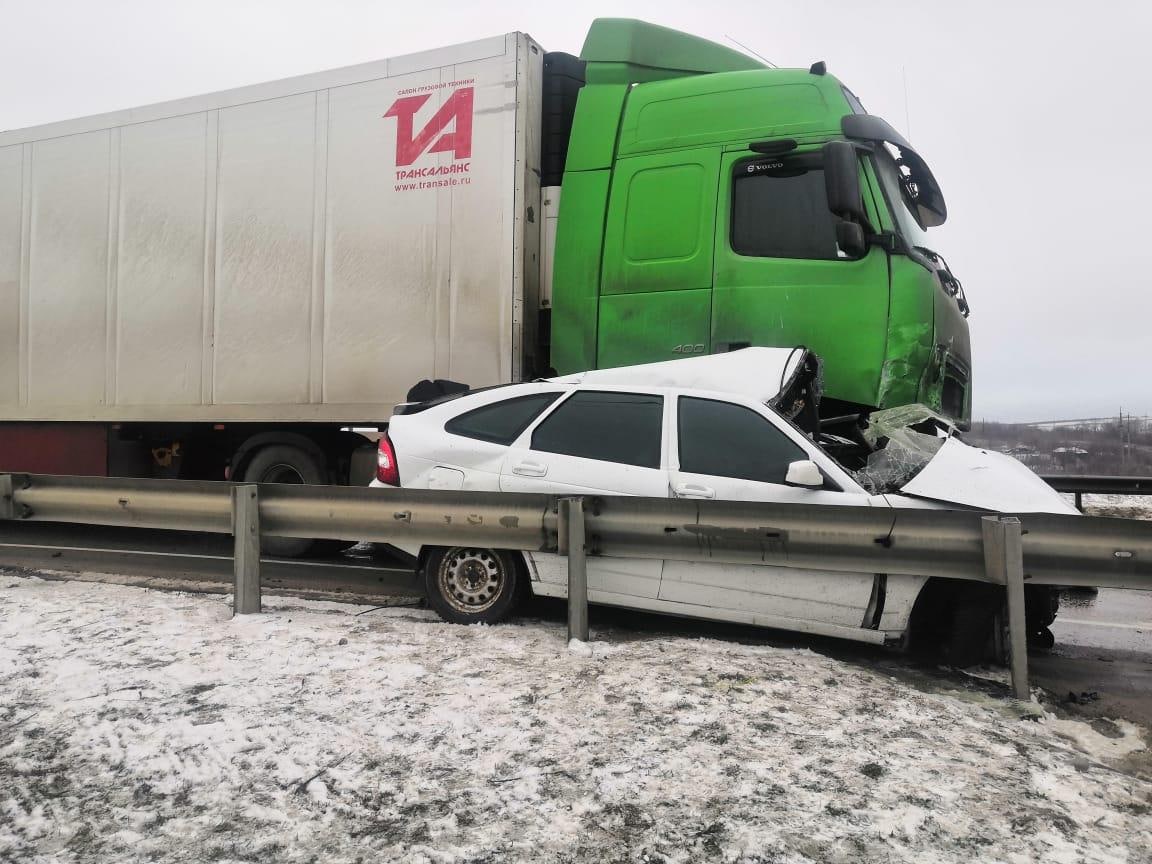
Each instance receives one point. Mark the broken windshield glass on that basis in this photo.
(901, 459)
(904, 440)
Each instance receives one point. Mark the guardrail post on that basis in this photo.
(246, 552)
(1004, 560)
(7, 502)
(573, 515)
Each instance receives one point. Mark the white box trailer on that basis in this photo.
(299, 251)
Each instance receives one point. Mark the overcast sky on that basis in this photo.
(1033, 116)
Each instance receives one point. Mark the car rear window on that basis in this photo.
(611, 427)
(501, 422)
(727, 440)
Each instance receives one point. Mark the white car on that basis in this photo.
(709, 427)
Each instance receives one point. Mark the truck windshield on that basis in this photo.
(895, 184)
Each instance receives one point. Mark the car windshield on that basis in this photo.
(895, 182)
(903, 442)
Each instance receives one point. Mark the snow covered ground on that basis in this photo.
(144, 725)
(1122, 506)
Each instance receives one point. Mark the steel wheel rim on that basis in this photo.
(470, 580)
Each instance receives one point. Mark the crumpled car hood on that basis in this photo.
(960, 474)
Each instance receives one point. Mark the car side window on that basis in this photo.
(727, 440)
(612, 427)
(501, 422)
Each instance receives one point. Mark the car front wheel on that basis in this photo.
(471, 586)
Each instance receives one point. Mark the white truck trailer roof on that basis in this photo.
(301, 250)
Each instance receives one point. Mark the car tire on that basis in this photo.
(283, 463)
(1043, 639)
(1041, 605)
(969, 633)
(467, 585)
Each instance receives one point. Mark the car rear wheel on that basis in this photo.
(471, 586)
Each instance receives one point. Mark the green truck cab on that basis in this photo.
(710, 202)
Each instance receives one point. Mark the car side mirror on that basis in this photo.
(842, 181)
(850, 239)
(805, 474)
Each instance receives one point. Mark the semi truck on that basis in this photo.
(227, 286)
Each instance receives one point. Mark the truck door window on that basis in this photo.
(726, 440)
(612, 427)
(780, 210)
(501, 422)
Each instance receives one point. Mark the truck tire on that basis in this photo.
(471, 586)
(282, 463)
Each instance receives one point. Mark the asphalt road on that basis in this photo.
(1102, 657)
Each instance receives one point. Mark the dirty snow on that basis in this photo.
(1122, 506)
(144, 725)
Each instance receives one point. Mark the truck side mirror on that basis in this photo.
(850, 239)
(842, 181)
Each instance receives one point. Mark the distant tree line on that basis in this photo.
(1122, 445)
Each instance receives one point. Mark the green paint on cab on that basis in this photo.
(694, 218)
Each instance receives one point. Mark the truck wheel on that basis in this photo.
(471, 586)
(282, 463)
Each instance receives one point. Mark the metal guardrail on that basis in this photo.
(1058, 549)
(1097, 484)
(959, 544)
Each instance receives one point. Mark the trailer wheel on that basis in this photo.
(471, 586)
(282, 463)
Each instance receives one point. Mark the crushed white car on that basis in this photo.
(739, 426)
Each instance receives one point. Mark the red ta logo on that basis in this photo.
(410, 145)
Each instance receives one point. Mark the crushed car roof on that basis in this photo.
(759, 373)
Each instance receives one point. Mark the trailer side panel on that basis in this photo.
(304, 250)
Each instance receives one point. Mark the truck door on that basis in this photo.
(656, 283)
(780, 279)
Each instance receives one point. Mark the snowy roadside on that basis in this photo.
(1120, 506)
(142, 725)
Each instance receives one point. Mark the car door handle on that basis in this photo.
(694, 490)
(530, 469)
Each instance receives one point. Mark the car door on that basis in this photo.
(729, 451)
(596, 442)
